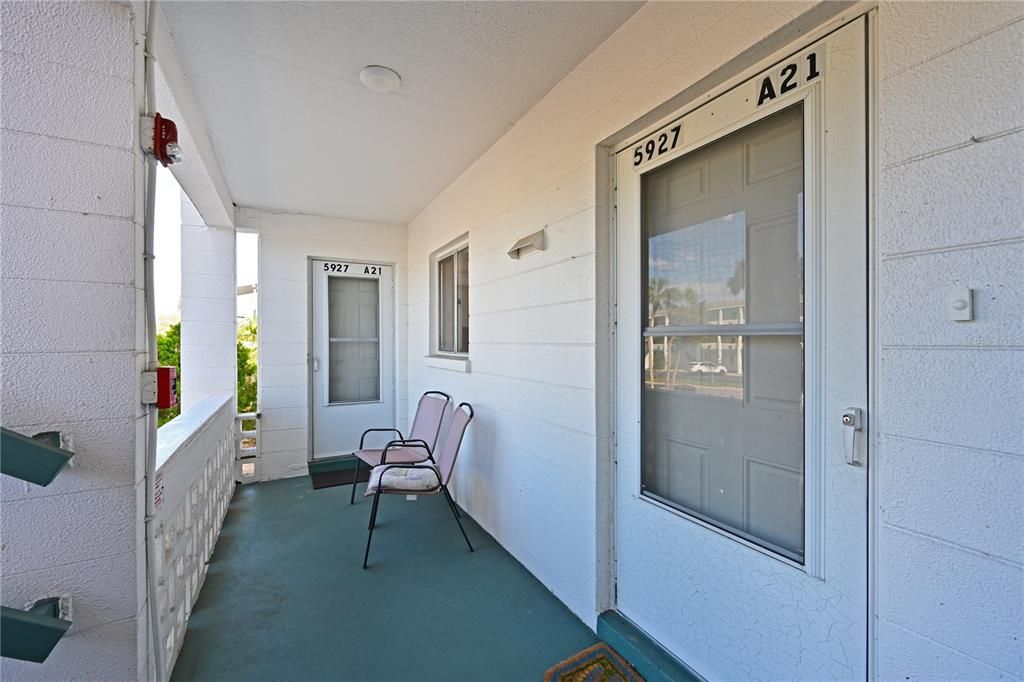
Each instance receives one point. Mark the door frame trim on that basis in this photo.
(808, 28)
(872, 438)
(310, 388)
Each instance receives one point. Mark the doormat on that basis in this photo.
(598, 663)
(333, 477)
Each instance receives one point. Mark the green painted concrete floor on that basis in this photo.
(286, 597)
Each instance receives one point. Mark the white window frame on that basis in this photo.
(444, 358)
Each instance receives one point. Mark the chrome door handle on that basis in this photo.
(316, 363)
(853, 421)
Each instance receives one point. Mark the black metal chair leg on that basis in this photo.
(455, 513)
(449, 496)
(373, 512)
(373, 522)
(355, 480)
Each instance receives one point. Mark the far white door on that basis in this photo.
(353, 353)
(741, 374)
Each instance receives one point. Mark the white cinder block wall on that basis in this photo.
(208, 318)
(72, 324)
(950, 461)
(285, 241)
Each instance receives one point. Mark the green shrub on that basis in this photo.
(247, 365)
(168, 344)
(168, 352)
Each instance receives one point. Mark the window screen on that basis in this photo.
(453, 302)
(723, 344)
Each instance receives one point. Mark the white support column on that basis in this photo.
(208, 325)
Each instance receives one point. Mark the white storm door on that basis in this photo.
(353, 353)
(740, 344)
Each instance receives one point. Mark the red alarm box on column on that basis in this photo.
(166, 387)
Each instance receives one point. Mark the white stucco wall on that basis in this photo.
(950, 459)
(948, 465)
(528, 471)
(71, 326)
(286, 240)
(208, 323)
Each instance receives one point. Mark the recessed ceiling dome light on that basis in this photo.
(380, 78)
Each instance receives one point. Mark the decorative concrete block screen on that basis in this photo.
(194, 484)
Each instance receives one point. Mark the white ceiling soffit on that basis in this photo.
(199, 173)
(295, 130)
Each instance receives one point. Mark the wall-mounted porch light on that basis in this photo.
(527, 245)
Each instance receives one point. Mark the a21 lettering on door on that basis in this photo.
(788, 78)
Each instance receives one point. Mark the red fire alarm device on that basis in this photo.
(160, 136)
(166, 387)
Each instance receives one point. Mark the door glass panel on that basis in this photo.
(353, 315)
(723, 433)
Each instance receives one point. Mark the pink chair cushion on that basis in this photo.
(395, 455)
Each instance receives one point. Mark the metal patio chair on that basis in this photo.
(426, 427)
(428, 477)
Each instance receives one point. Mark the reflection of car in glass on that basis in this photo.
(707, 368)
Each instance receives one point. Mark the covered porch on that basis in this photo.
(732, 288)
(286, 596)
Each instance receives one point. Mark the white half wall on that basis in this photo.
(286, 241)
(208, 318)
(72, 327)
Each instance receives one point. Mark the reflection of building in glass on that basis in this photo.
(722, 350)
(697, 277)
(726, 350)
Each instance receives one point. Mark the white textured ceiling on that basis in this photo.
(294, 129)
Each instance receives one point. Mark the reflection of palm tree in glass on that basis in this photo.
(738, 282)
(670, 305)
(661, 298)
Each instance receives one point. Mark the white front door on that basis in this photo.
(741, 343)
(353, 353)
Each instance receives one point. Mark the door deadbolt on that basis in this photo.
(853, 420)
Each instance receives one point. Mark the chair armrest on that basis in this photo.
(396, 444)
(363, 437)
(409, 442)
